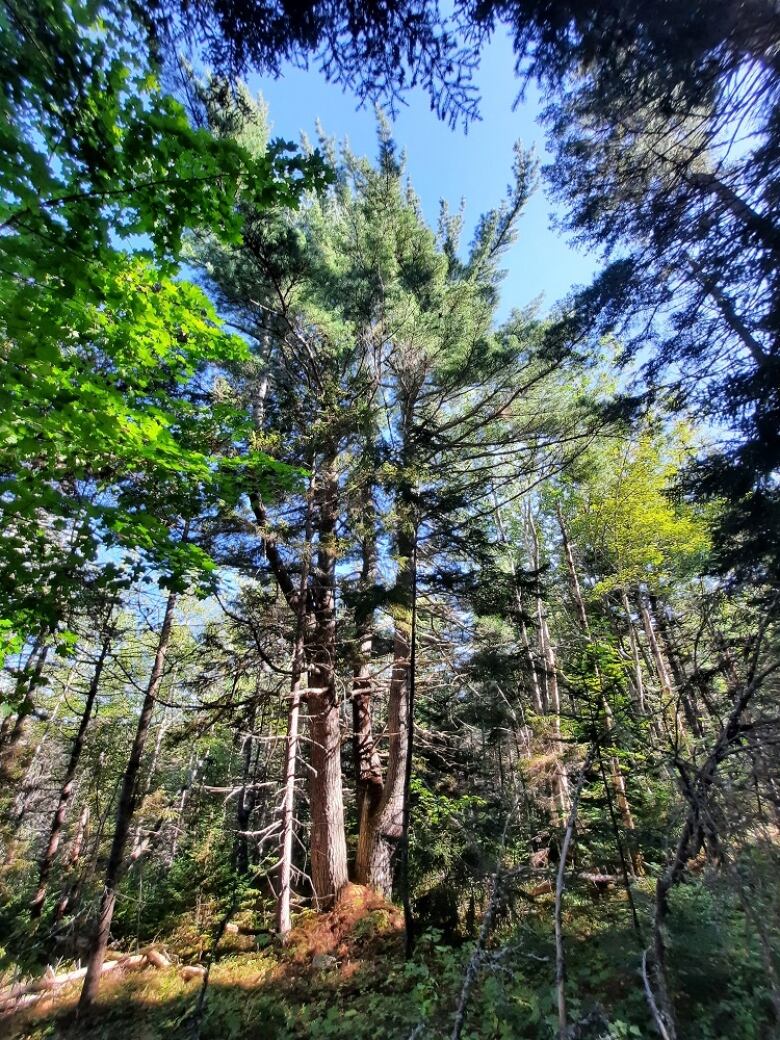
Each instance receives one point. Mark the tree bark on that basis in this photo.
(367, 764)
(690, 708)
(298, 681)
(618, 780)
(245, 800)
(560, 956)
(13, 736)
(74, 855)
(328, 836)
(388, 823)
(124, 816)
(66, 791)
(552, 698)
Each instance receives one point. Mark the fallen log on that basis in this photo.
(21, 994)
(193, 971)
(601, 882)
(157, 958)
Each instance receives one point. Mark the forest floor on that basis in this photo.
(341, 968)
(343, 976)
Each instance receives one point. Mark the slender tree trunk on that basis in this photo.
(618, 780)
(283, 918)
(328, 836)
(368, 767)
(560, 955)
(639, 684)
(124, 816)
(297, 683)
(27, 787)
(141, 840)
(409, 933)
(552, 699)
(690, 708)
(668, 698)
(70, 887)
(528, 651)
(194, 767)
(388, 823)
(66, 791)
(367, 764)
(13, 736)
(245, 800)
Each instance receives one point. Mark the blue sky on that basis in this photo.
(450, 164)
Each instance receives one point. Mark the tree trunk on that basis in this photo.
(13, 736)
(367, 764)
(328, 836)
(283, 918)
(298, 681)
(70, 888)
(245, 800)
(560, 958)
(530, 656)
(66, 791)
(618, 780)
(552, 699)
(639, 684)
(194, 767)
(667, 689)
(690, 708)
(388, 823)
(28, 785)
(124, 816)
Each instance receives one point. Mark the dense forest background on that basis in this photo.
(374, 664)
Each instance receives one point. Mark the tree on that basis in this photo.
(99, 343)
(664, 124)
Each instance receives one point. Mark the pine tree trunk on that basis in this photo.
(245, 800)
(367, 764)
(124, 816)
(560, 956)
(690, 708)
(283, 918)
(70, 888)
(13, 735)
(552, 695)
(66, 791)
(298, 681)
(618, 780)
(388, 822)
(636, 663)
(328, 836)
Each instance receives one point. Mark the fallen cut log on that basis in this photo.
(601, 882)
(21, 994)
(157, 958)
(193, 971)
